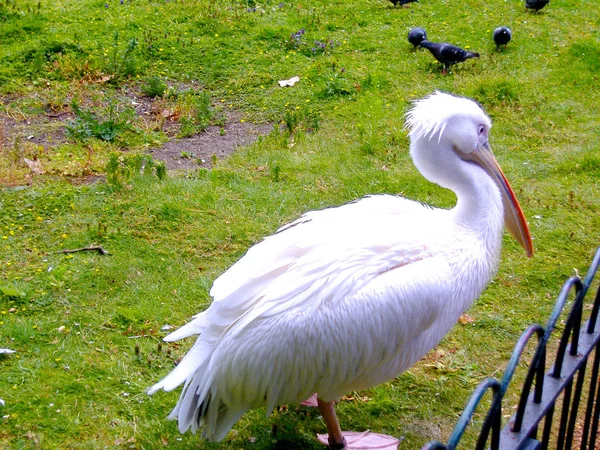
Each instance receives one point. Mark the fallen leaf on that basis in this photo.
(35, 166)
(466, 318)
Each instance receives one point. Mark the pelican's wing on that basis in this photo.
(324, 256)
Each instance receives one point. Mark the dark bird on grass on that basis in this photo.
(502, 36)
(402, 2)
(536, 5)
(416, 36)
(447, 54)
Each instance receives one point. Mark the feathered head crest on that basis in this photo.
(429, 116)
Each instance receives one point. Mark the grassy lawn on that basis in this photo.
(87, 327)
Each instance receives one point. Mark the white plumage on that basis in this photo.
(348, 297)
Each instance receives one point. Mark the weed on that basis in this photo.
(203, 110)
(305, 119)
(319, 47)
(122, 64)
(160, 170)
(188, 155)
(89, 125)
(336, 85)
(197, 113)
(154, 87)
(367, 82)
(122, 169)
(275, 173)
(187, 127)
(290, 119)
(298, 42)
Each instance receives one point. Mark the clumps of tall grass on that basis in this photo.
(123, 169)
(198, 113)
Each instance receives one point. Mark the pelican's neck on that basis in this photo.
(479, 202)
(479, 210)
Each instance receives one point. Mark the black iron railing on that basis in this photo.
(577, 426)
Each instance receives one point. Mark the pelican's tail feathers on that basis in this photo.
(218, 420)
(194, 402)
(200, 407)
(196, 360)
(195, 326)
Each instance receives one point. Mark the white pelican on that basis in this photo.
(346, 298)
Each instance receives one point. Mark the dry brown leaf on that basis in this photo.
(466, 318)
(35, 166)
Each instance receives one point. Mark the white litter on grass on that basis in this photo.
(166, 327)
(2, 402)
(292, 81)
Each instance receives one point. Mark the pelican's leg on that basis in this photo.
(336, 438)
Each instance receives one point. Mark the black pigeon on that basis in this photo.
(447, 54)
(416, 36)
(402, 2)
(536, 5)
(502, 36)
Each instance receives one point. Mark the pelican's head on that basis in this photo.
(444, 115)
(447, 133)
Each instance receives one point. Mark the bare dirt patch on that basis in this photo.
(47, 130)
(39, 135)
(216, 142)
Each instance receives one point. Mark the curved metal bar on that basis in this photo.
(518, 351)
(536, 367)
(573, 323)
(465, 417)
(570, 323)
(589, 276)
(594, 313)
(590, 403)
(560, 303)
(587, 282)
(575, 320)
(434, 445)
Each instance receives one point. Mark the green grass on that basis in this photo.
(87, 327)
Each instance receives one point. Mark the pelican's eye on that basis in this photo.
(481, 130)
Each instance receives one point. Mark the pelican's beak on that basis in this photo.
(514, 219)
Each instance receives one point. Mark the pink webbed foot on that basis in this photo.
(311, 401)
(364, 441)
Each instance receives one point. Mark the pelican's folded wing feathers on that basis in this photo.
(285, 270)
